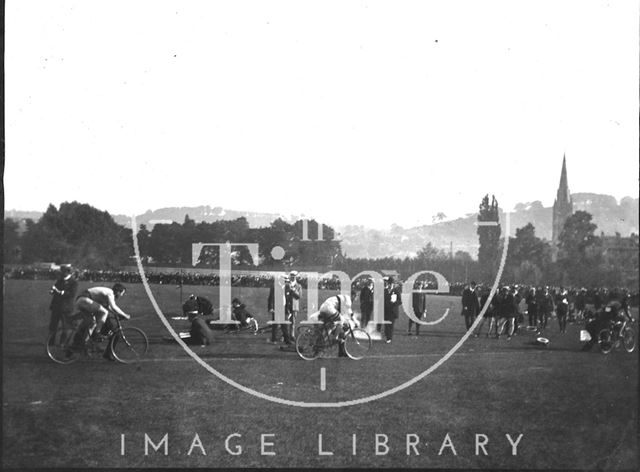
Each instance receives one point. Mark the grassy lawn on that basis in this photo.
(574, 410)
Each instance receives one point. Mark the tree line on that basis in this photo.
(79, 234)
(89, 238)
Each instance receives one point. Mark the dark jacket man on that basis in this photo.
(63, 297)
(470, 304)
(366, 303)
(392, 302)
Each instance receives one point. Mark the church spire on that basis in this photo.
(563, 188)
(562, 206)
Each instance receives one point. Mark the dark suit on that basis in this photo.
(274, 327)
(419, 303)
(391, 308)
(470, 306)
(196, 309)
(532, 308)
(62, 303)
(366, 305)
(291, 305)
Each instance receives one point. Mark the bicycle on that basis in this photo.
(126, 344)
(312, 341)
(614, 335)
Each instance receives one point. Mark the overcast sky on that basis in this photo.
(367, 112)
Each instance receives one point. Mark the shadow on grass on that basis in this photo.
(534, 346)
(244, 355)
(438, 334)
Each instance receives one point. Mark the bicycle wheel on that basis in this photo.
(59, 346)
(309, 342)
(129, 344)
(604, 341)
(628, 339)
(357, 343)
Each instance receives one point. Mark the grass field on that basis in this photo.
(574, 410)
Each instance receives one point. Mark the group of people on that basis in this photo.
(200, 313)
(176, 278)
(506, 310)
(503, 311)
(392, 304)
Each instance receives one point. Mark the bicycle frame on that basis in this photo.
(313, 341)
(125, 344)
(615, 335)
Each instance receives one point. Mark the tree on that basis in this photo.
(431, 253)
(463, 256)
(79, 234)
(489, 237)
(527, 254)
(166, 244)
(438, 217)
(578, 255)
(527, 273)
(43, 241)
(11, 241)
(144, 236)
(577, 234)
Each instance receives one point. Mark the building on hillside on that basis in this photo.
(562, 207)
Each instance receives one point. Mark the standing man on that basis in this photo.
(470, 305)
(562, 308)
(541, 303)
(506, 311)
(580, 303)
(545, 308)
(419, 303)
(292, 291)
(532, 307)
(63, 298)
(489, 313)
(366, 303)
(274, 327)
(392, 302)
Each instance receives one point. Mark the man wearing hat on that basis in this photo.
(63, 297)
(506, 311)
(470, 305)
(196, 308)
(392, 302)
(366, 303)
(292, 301)
(274, 327)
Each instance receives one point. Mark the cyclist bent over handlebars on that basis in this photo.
(95, 304)
(612, 312)
(335, 312)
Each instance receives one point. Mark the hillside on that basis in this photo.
(458, 234)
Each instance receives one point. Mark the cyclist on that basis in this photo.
(96, 302)
(94, 305)
(335, 312)
(612, 312)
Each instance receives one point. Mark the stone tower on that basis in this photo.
(562, 206)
